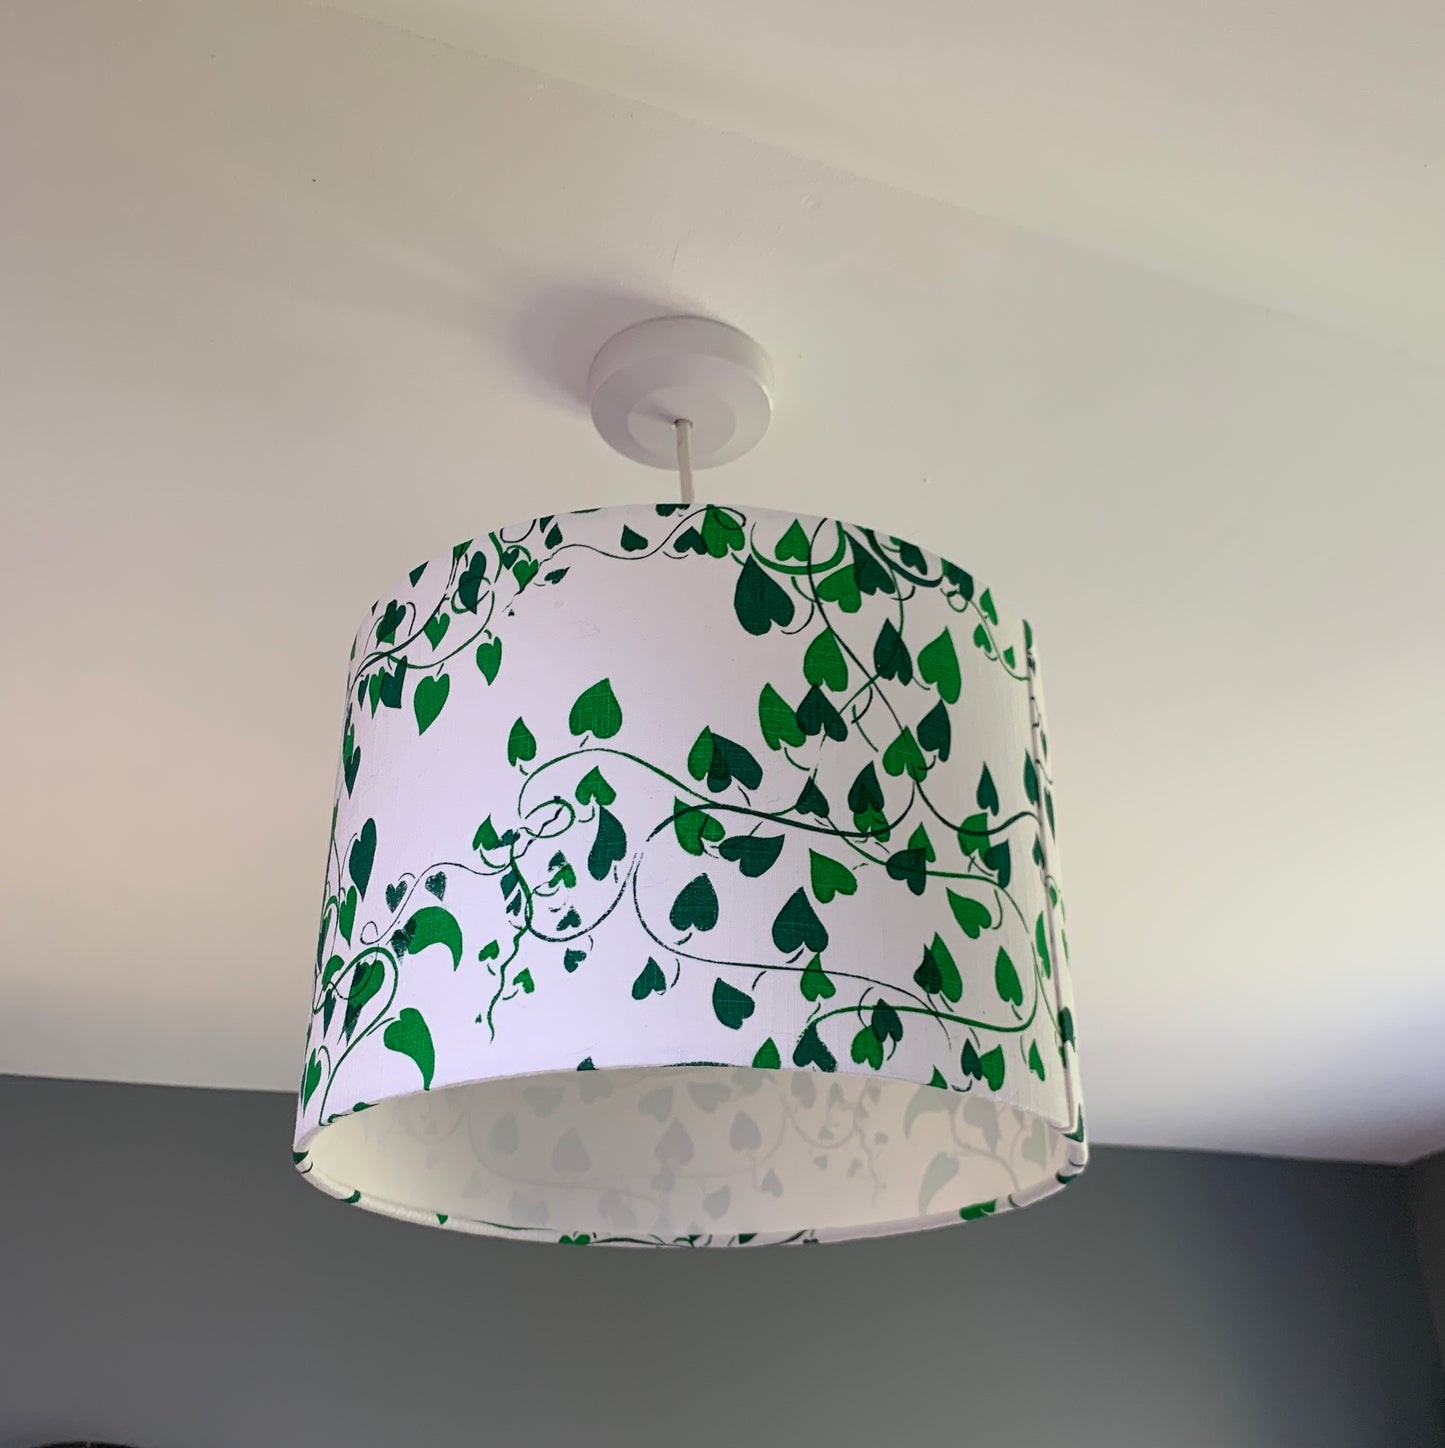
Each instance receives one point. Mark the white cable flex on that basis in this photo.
(684, 458)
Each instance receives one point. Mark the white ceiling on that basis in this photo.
(1291, 153)
(289, 299)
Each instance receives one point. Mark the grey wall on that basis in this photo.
(1425, 1190)
(166, 1280)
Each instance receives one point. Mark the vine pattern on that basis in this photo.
(890, 698)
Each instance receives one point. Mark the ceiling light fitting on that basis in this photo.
(692, 877)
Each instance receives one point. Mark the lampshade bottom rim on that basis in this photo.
(691, 1156)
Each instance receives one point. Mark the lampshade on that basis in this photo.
(692, 881)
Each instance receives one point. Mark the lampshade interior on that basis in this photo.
(678, 1152)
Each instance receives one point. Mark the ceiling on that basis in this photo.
(1144, 325)
(1292, 154)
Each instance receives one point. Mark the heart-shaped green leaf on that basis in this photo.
(312, 1079)
(938, 665)
(754, 855)
(731, 761)
(904, 755)
(998, 859)
(987, 792)
(699, 757)
(730, 1005)
(334, 967)
(828, 878)
(873, 823)
(409, 1035)
(649, 978)
(977, 1210)
(430, 696)
(486, 837)
(794, 544)
(1006, 979)
(395, 894)
(609, 847)
(759, 601)
(695, 907)
(373, 692)
(521, 746)
(814, 981)
(1066, 1026)
(797, 926)
(391, 685)
(985, 606)
(490, 951)
(416, 573)
(891, 659)
(489, 658)
(935, 732)
(694, 824)
(720, 761)
(959, 579)
(867, 1048)
(721, 532)
(689, 541)
(469, 585)
(436, 627)
(841, 587)
(910, 555)
(1041, 944)
(554, 535)
(812, 801)
(810, 1051)
(952, 982)
(432, 925)
(928, 977)
(992, 1064)
(816, 714)
(981, 640)
(350, 765)
(366, 980)
(865, 793)
(910, 866)
(632, 540)
(1036, 1062)
(778, 721)
(937, 974)
(872, 576)
(594, 786)
(970, 1062)
(823, 663)
(766, 1057)
(596, 711)
(1031, 780)
(363, 854)
(571, 959)
(886, 1023)
(346, 914)
(390, 620)
(973, 916)
(919, 840)
(973, 835)
(524, 571)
